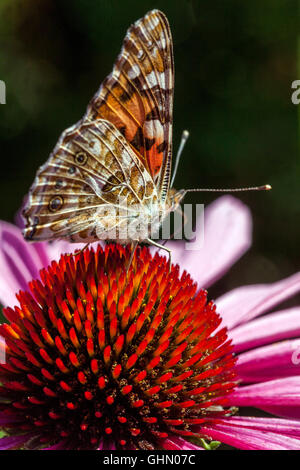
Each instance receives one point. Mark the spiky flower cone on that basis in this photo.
(97, 356)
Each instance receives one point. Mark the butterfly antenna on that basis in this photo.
(184, 138)
(265, 187)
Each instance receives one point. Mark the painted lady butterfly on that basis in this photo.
(109, 174)
(118, 156)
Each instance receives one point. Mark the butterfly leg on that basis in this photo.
(80, 251)
(134, 244)
(162, 247)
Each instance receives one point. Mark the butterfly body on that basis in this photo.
(108, 176)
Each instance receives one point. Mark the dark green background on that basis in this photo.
(235, 62)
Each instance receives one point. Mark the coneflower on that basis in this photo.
(97, 356)
(48, 401)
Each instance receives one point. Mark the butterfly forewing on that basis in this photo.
(138, 95)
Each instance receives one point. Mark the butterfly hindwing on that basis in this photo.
(91, 171)
(137, 97)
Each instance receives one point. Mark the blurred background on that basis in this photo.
(235, 63)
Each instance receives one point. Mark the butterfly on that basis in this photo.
(108, 177)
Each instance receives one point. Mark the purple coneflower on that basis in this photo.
(96, 359)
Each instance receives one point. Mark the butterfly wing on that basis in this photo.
(119, 153)
(92, 171)
(137, 97)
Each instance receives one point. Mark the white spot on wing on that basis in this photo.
(140, 54)
(134, 72)
(154, 22)
(96, 146)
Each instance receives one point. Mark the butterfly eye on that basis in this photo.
(56, 203)
(81, 158)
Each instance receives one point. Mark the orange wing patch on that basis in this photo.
(137, 97)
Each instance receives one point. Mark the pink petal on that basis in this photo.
(11, 442)
(281, 392)
(227, 236)
(269, 329)
(55, 249)
(286, 427)
(250, 439)
(177, 443)
(61, 445)
(108, 446)
(19, 262)
(244, 303)
(100, 446)
(283, 411)
(269, 362)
